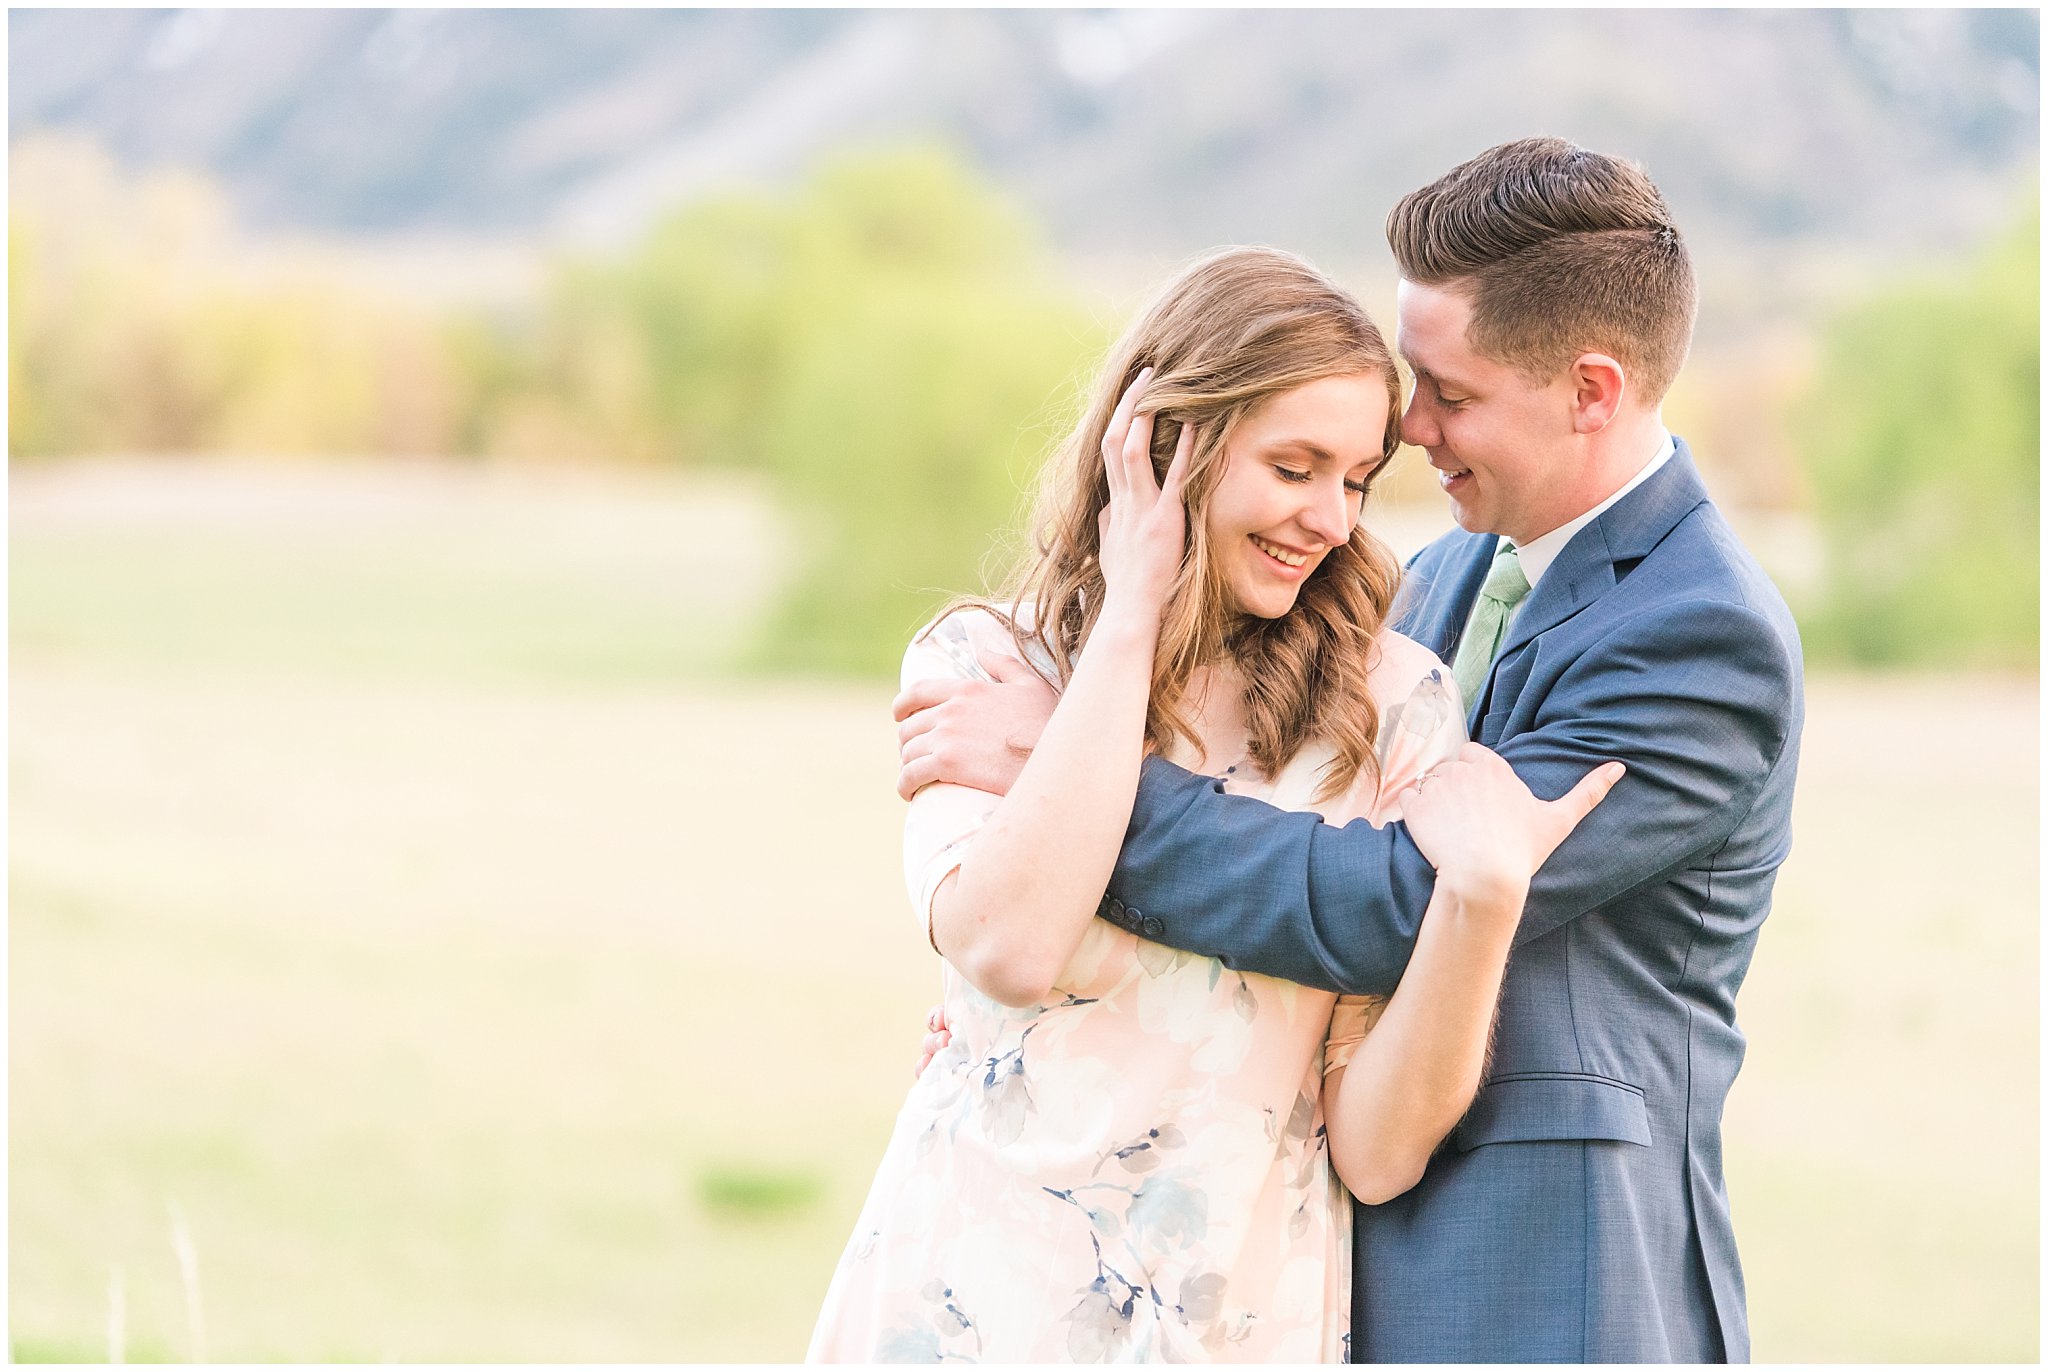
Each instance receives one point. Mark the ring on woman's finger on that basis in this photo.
(1424, 780)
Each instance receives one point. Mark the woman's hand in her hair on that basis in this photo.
(1144, 525)
(1485, 832)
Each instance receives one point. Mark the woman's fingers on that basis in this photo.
(1113, 437)
(1173, 489)
(1127, 452)
(1137, 458)
(1478, 823)
(1127, 405)
(1563, 814)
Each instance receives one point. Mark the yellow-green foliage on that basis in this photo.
(887, 341)
(140, 321)
(1924, 446)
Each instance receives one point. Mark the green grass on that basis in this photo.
(430, 572)
(506, 988)
(744, 1192)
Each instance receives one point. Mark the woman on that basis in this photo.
(1127, 1152)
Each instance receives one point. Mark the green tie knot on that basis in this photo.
(1505, 581)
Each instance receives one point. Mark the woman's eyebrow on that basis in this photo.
(1320, 453)
(1313, 449)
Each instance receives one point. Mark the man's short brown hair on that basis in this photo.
(1563, 252)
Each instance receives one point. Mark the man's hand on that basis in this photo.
(971, 733)
(937, 1037)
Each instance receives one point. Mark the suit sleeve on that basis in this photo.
(1694, 698)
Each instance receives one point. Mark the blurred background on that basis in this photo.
(474, 473)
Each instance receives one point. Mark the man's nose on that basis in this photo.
(1418, 430)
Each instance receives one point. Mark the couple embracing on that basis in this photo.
(1340, 958)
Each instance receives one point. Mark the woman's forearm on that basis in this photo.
(1415, 1074)
(1015, 911)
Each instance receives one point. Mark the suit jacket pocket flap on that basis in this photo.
(1553, 1106)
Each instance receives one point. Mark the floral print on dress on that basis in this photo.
(1135, 1169)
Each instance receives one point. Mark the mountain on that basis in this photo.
(1127, 132)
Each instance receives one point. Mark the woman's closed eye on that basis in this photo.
(1295, 476)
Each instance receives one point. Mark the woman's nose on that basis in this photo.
(1328, 515)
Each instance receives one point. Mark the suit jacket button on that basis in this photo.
(1116, 908)
(1154, 926)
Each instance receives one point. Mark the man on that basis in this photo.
(1593, 605)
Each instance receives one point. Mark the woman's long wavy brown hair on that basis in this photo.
(1231, 332)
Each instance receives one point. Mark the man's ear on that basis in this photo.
(1598, 387)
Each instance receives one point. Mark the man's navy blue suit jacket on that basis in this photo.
(1578, 1212)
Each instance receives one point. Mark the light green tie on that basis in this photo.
(1505, 586)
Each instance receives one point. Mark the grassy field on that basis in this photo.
(409, 919)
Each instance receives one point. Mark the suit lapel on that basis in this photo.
(1583, 572)
(1445, 601)
(1626, 533)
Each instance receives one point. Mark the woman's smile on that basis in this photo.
(1291, 561)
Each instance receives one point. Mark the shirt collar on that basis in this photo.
(1538, 553)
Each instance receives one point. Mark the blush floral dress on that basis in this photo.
(1134, 1169)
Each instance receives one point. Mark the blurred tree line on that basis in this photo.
(1923, 444)
(889, 343)
(892, 345)
(134, 325)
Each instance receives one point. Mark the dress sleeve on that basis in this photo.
(1422, 731)
(1352, 1020)
(944, 818)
